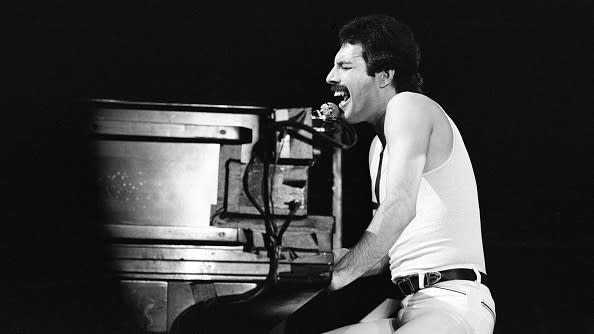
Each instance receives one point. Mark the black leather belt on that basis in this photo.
(410, 284)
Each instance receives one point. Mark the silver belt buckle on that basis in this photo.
(431, 278)
(406, 286)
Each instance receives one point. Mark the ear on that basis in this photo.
(385, 77)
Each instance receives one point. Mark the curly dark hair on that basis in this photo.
(387, 44)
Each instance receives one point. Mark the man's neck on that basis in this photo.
(378, 122)
(379, 128)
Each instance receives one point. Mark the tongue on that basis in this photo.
(343, 103)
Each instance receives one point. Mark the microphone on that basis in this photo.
(324, 118)
(328, 112)
(331, 111)
(328, 120)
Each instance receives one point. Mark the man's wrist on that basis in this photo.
(335, 283)
(339, 280)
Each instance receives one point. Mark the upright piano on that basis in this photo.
(183, 238)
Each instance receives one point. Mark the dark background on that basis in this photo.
(515, 76)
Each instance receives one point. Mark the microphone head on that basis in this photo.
(330, 110)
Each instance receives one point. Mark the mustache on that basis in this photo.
(338, 88)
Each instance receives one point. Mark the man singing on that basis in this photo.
(426, 224)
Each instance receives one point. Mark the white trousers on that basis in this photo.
(447, 307)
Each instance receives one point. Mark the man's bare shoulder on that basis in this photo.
(411, 102)
(411, 110)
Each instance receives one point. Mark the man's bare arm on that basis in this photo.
(377, 269)
(407, 129)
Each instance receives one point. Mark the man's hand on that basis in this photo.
(337, 282)
(339, 253)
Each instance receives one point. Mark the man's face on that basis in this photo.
(350, 80)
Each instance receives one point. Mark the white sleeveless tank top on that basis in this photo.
(446, 232)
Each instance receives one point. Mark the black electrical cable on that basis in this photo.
(277, 152)
(271, 277)
(273, 240)
(293, 207)
(301, 126)
(271, 231)
(299, 136)
(246, 186)
(351, 133)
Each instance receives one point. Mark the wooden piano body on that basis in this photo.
(181, 233)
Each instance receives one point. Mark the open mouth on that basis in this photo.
(341, 92)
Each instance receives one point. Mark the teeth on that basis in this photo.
(339, 93)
